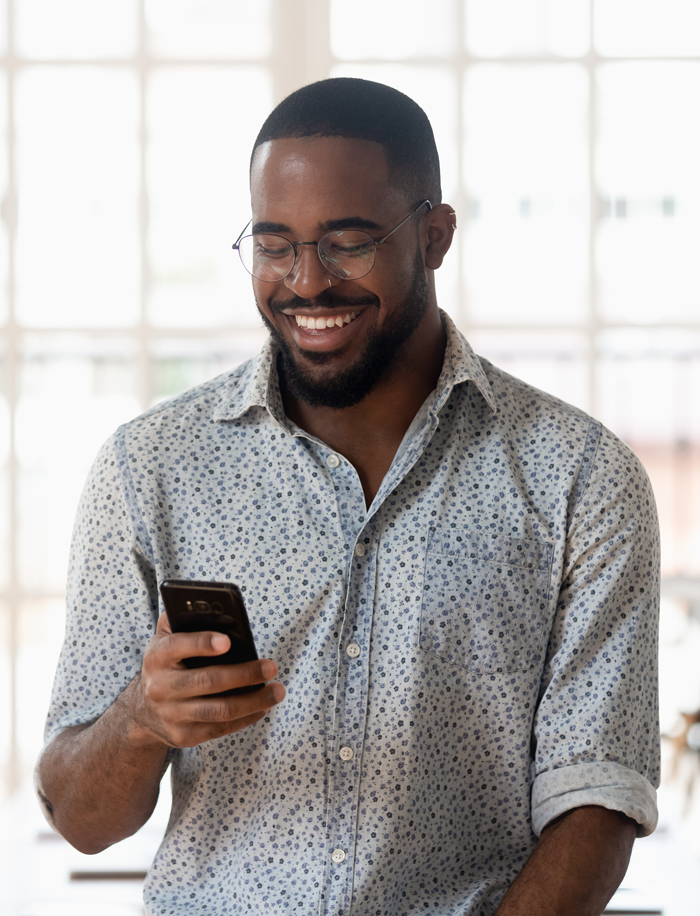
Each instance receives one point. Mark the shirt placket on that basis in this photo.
(348, 725)
(350, 713)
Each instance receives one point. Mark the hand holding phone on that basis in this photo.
(194, 607)
(182, 705)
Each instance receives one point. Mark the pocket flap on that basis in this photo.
(528, 553)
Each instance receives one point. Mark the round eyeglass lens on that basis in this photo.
(266, 257)
(348, 254)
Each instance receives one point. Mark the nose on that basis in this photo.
(309, 278)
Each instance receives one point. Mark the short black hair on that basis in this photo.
(364, 110)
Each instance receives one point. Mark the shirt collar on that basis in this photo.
(257, 385)
(461, 364)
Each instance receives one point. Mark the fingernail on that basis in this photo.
(278, 692)
(219, 642)
(269, 669)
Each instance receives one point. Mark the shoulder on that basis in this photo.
(532, 418)
(523, 404)
(189, 414)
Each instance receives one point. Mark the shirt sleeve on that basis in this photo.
(596, 728)
(111, 600)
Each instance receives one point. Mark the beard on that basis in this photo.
(349, 386)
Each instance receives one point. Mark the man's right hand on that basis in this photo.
(99, 782)
(171, 704)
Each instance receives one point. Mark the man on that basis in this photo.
(452, 575)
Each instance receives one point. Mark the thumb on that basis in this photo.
(163, 628)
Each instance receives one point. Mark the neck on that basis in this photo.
(368, 434)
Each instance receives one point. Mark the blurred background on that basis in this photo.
(569, 134)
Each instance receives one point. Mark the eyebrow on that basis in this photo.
(331, 225)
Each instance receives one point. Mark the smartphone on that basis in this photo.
(195, 606)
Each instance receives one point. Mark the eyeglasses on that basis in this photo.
(345, 253)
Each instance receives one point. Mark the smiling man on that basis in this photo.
(453, 575)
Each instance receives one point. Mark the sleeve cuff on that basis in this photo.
(607, 784)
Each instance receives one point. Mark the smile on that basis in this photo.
(325, 321)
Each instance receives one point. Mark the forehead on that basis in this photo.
(327, 176)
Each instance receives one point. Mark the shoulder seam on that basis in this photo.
(589, 452)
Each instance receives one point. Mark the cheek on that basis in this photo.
(396, 277)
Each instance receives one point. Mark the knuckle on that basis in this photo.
(244, 675)
(201, 680)
(178, 738)
(211, 712)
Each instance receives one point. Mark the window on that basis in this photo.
(569, 144)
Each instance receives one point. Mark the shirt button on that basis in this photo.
(353, 650)
(360, 550)
(332, 461)
(338, 856)
(346, 753)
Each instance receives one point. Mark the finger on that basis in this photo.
(231, 709)
(174, 647)
(214, 730)
(163, 626)
(197, 682)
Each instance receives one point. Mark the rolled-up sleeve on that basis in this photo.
(596, 727)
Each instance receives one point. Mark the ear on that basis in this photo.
(439, 226)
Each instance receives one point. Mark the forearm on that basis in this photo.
(576, 867)
(99, 783)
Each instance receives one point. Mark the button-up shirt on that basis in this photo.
(466, 659)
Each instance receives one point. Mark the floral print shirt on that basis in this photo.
(466, 659)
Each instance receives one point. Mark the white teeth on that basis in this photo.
(321, 323)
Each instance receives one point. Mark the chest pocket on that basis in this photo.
(484, 601)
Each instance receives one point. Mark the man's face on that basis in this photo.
(302, 189)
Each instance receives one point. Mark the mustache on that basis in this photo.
(328, 300)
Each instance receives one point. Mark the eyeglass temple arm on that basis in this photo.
(414, 210)
(238, 240)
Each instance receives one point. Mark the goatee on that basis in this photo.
(348, 387)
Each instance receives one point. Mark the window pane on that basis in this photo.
(3, 26)
(525, 167)
(649, 393)
(648, 150)
(5, 697)
(553, 361)
(4, 482)
(77, 165)
(497, 28)
(647, 27)
(73, 400)
(209, 28)
(649, 387)
(201, 128)
(392, 29)
(79, 29)
(41, 626)
(6, 216)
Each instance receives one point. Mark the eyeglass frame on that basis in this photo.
(295, 245)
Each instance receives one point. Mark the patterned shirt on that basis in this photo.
(465, 660)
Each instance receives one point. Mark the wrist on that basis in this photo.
(135, 723)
